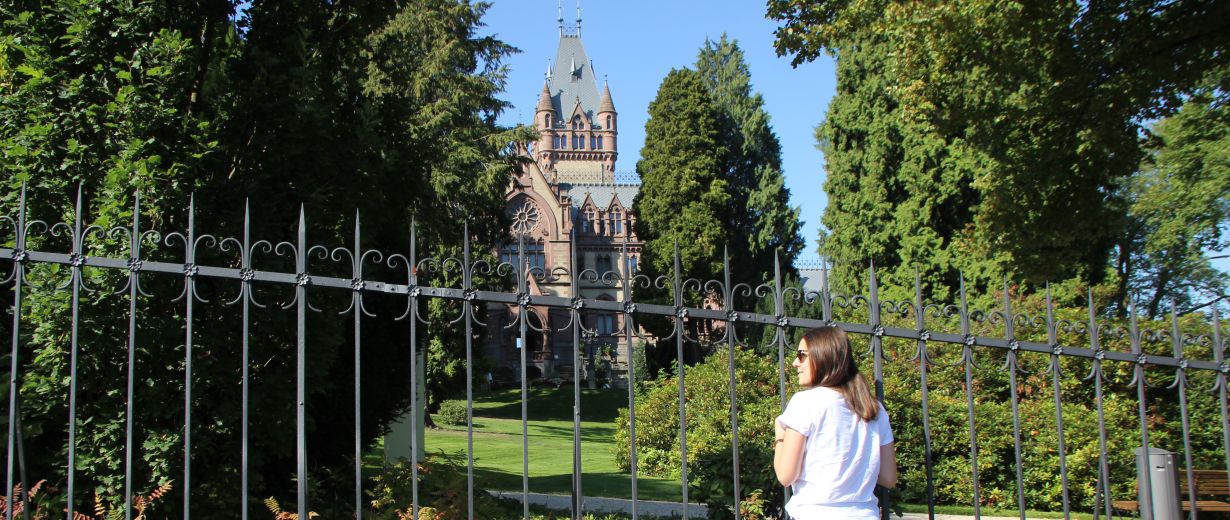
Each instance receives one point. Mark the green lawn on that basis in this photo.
(497, 444)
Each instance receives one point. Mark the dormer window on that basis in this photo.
(617, 221)
(576, 123)
(587, 219)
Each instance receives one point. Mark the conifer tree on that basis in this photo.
(684, 196)
(385, 107)
(767, 224)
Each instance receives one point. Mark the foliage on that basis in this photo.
(707, 405)
(442, 486)
(452, 411)
(278, 514)
(763, 222)
(684, 197)
(990, 138)
(366, 105)
(1179, 207)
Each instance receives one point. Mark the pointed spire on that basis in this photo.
(544, 99)
(559, 16)
(606, 105)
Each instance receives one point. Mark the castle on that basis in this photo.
(566, 196)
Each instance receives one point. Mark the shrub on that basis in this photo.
(707, 405)
(453, 412)
(442, 491)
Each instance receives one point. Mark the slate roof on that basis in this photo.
(572, 78)
(601, 194)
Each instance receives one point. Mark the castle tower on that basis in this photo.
(579, 142)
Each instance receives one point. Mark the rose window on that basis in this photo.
(525, 218)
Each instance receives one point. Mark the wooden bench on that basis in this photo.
(1209, 483)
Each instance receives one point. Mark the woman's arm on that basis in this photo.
(787, 453)
(888, 466)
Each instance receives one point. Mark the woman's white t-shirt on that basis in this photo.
(841, 456)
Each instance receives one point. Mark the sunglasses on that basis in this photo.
(800, 355)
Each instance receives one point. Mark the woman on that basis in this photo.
(833, 443)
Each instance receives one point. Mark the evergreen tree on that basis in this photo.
(684, 196)
(991, 138)
(762, 209)
(388, 108)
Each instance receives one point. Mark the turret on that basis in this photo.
(606, 110)
(544, 120)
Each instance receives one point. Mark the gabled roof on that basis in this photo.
(572, 78)
(602, 194)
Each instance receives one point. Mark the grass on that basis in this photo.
(498, 449)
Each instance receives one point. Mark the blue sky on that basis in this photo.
(635, 43)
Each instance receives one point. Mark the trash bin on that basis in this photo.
(1163, 476)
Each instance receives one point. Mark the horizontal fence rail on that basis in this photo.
(885, 329)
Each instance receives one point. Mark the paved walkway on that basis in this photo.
(667, 509)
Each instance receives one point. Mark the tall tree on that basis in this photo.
(1180, 206)
(762, 203)
(999, 131)
(684, 196)
(388, 108)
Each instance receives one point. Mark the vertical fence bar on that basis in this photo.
(1102, 497)
(521, 331)
(1013, 346)
(779, 310)
(245, 287)
(414, 371)
(734, 402)
(1052, 337)
(75, 283)
(680, 314)
(920, 311)
(19, 275)
(301, 365)
(877, 355)
(1220, 356)
(466, 311)
(357, 302)
(189, 296)
(134, 255)
(967, 352)
(1138, 378)
(577, 326)
(1180, 380)
(629, 333)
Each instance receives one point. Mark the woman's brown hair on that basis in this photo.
(832, 365)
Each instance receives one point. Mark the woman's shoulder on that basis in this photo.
(818, 394)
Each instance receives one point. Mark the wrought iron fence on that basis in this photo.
(907, 322)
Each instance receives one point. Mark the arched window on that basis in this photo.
(599, 146)
(546, 120)
(576, 123)
(608, 122)
(582, 142)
